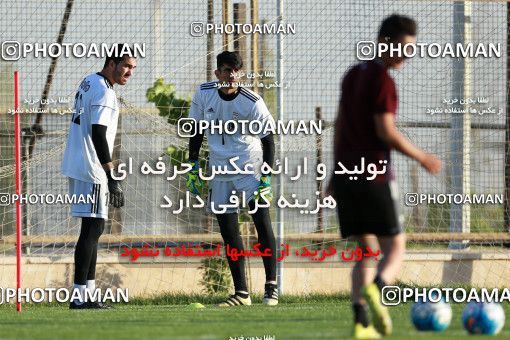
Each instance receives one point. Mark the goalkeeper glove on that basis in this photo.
(193, 182)
(115, 195)
(264, 190)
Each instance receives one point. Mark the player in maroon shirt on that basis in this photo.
(365, 132)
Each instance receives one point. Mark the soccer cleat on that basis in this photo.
(380, 314)
(236, 300)
(368, 332)
(98, 305)
(73, 305)
(270, 294)
(89, 305)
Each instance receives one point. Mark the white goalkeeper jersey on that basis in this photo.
(245, 105)
(95, 103)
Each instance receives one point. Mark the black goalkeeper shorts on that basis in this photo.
(367, 207)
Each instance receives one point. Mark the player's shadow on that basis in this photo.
(458, 271)
(106, 277)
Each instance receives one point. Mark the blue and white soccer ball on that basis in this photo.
(483, 318)
(431, 316)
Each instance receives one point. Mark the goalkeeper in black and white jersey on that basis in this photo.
(221, 102)
(88, 164)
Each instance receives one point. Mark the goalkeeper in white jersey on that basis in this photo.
(88, 164)
(221, 102)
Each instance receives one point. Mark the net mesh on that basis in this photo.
(314, 61)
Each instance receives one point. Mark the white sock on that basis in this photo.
(91, 287)
(271, 282)
(81, 289)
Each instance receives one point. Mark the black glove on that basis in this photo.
(116, 195)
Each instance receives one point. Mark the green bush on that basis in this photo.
(167, 101)
(215, 275)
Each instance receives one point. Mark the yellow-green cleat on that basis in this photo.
(380, 314)
(368, 332)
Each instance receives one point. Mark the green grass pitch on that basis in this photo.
(298, 318)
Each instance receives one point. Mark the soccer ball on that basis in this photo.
(483, 318)
(431, 316)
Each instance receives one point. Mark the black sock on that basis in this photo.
(92, 267)
(229, 228)
(266, 238)
(379, 282)
(360, 314)
(86, 248)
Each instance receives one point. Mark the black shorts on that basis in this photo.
(367, 207)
